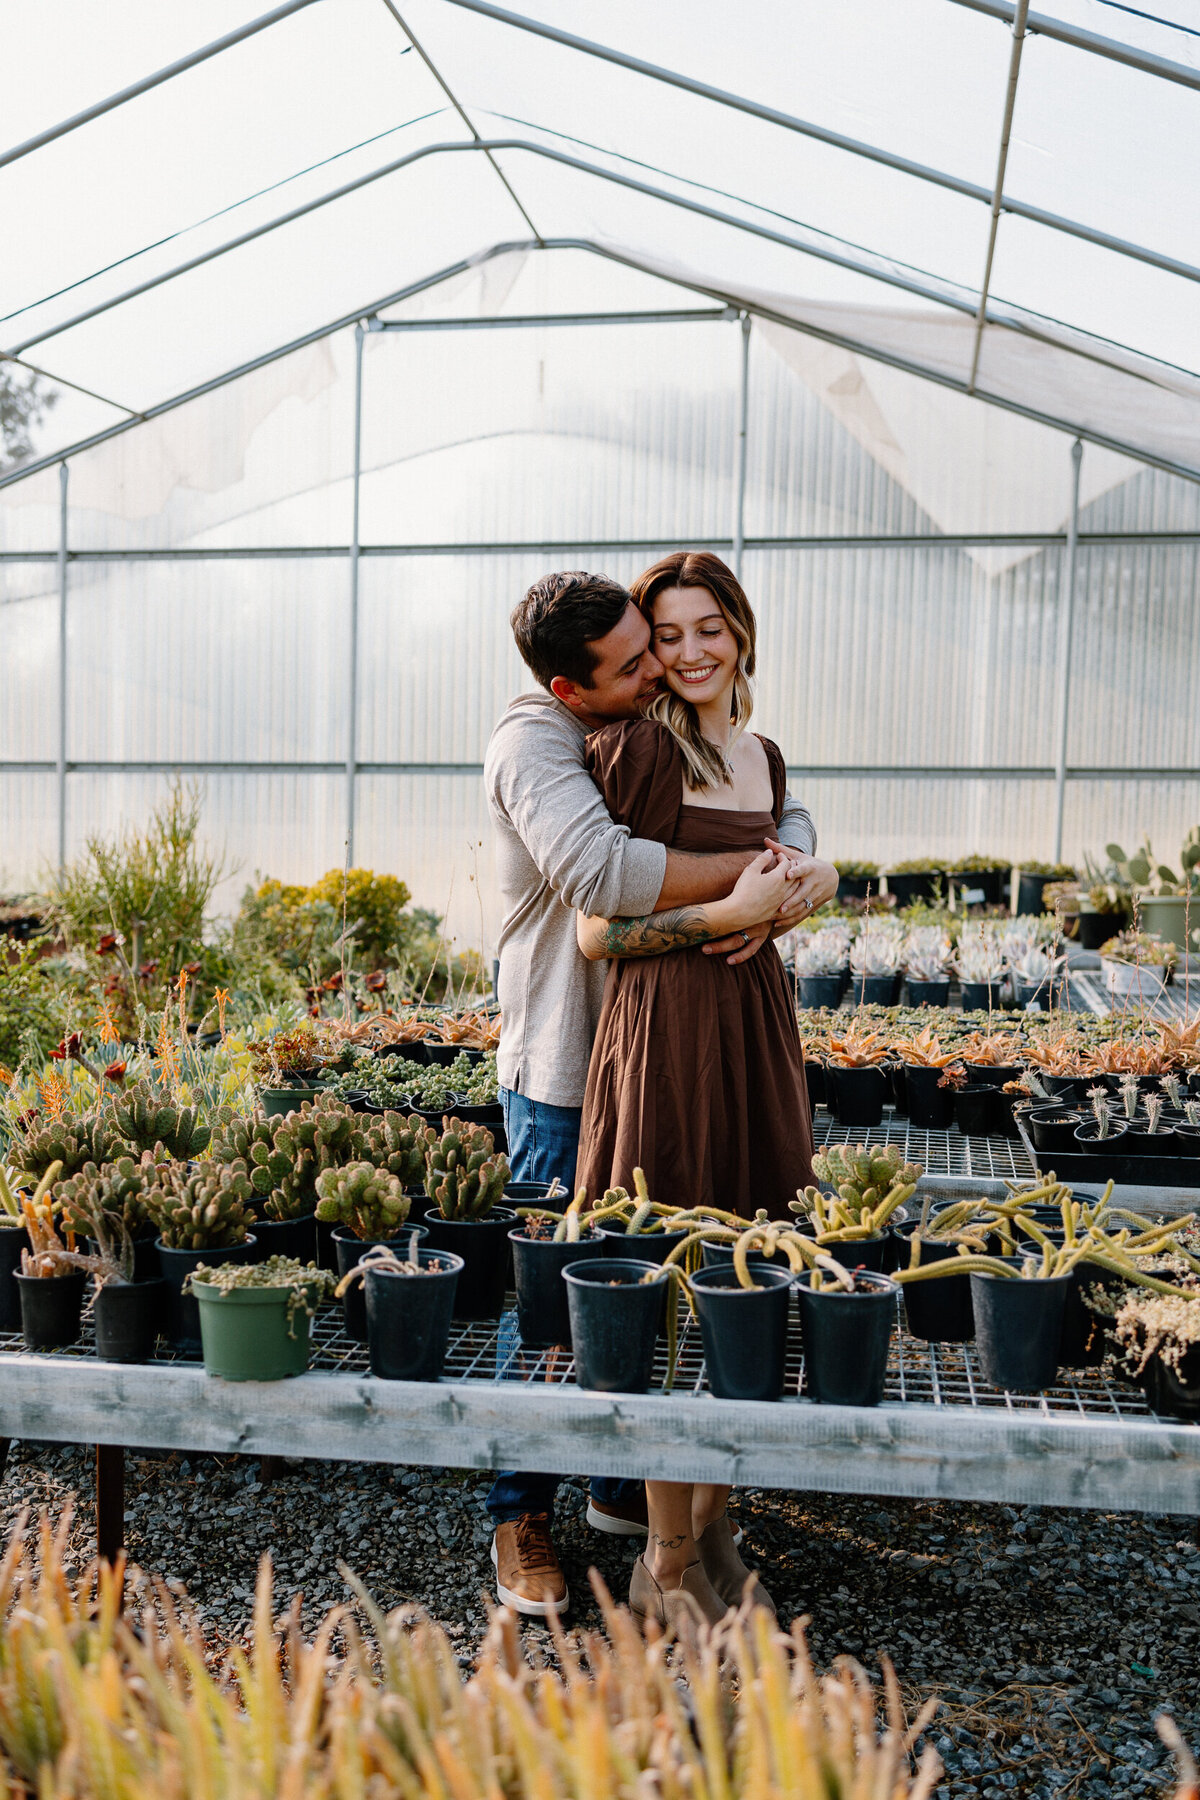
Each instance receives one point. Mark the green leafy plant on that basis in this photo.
(365, 1200)
(207, 1208)
(34, 1009)
(858, 871)
(463, 1174)
(304, 1283)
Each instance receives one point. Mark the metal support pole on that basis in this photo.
(352, 658)
(61, 764)
(1066, 625)
(110, 1501)
(739, 525)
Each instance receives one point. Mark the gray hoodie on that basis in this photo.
(559, 852)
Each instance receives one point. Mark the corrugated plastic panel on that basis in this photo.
(28, 672)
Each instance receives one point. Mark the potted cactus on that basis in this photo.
(198, 1212)
(855, 1081)
(543, 1243)
(1158, 1338)
(927, 954)
(365, 1206)
(106, 1207)
(255, 1318)
(409, 1308)
(847, 1322)
(876, 956)
(13, 1239)
(1168, 904)
(1102, 1131)
(1136, 966)
(819, 964)
(930, 1097)
(981, 965)
(51, 1278)
(464, 1180)
(870, 1185)
(142, 1118)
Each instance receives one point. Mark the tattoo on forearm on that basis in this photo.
(672, 1543)
(676, 929)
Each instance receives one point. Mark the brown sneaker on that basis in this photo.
(528, 1575)
(620, 1518)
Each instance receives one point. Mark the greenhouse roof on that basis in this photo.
(990, 198)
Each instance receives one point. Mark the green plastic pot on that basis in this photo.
(245, 1333)
(1167, 915)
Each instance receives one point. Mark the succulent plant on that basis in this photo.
(144, 1118)
(207, 1208)
(365, 1200)
(865, 1175)
(462, 1172)
(72, 1142)
(876, 953)
(399, 1145)
(112, 1195)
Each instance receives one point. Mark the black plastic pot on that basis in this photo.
(939, 1310)
(743, 1330)
(990, 883)
(490, 1115)
(1046, 994)
(1003, 1113)
(1174, 1392)
(875, 990)
(846, 1339)
(1069, 1090)
(1089, 1142)
(614, 1314)
(442, 1055)
(528, 1193)
(1096, 928)
(1053, 1128)
(543, 1316)
(907, 888)
(51, 1306)
(483, 1246)
(981, 996)
(349, 1251)
(416, 1052)
(1029, 895)
(1140, 1142)
(929, 993)
(287, 1237)
(408, 1317)
(820, 990)
(275, 1102)
(326, 1249)
(861, 1253)
(893, 1249)
(859, 1094)
(1084, 1338)
(975, 1110)
(13, 1239)
(930, 1107)
(145, 1254)
(181, 1316)
(720, 1256)
(1187, 1140)
(894, 1072)
(857, 887)
(647, 1246)
(1018, 1325)
(127, 1317)
(814, 1076)
(991, 1074)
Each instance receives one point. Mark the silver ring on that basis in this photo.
(745, 939)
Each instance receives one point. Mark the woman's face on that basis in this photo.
(694, 644)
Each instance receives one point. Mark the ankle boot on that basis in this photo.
(725, 1569)
(692, 1602)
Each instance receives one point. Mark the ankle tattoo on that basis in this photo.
(671, 1543)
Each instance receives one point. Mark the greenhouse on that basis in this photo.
(502, 1166)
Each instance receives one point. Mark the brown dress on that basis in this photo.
(697, 1075)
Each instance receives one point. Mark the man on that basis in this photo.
(559, 852)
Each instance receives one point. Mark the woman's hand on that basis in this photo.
(817, 882)
(763, 887)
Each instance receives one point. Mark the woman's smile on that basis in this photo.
(694, 677)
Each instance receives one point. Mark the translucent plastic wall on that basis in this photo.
(912, 686)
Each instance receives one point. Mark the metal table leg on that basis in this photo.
(110, 1501)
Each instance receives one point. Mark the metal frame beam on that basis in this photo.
(152, 81)
(684, 315)
(352, 633)
(739, 521)
(1043, 25)
(874, 353)
(1066, 627)
(809, 771)
(64, 475)
(770, 115)
(1010, 101)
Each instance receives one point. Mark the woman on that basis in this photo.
(697, 1075)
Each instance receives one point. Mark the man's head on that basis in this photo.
(585, 640)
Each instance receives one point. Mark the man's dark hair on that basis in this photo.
(561, 617)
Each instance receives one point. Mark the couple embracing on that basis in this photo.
(648, 851)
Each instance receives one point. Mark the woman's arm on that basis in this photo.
(760, 891)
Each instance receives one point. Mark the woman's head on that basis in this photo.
(704, 636)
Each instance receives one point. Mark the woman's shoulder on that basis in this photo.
(635, 764)
(629, 735)
(777, 769)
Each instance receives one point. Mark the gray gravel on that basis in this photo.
(1051, 1638)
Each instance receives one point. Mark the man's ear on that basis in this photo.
(566, 691)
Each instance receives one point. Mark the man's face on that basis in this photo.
(626, 674)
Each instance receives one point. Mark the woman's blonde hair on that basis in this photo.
(704, 764)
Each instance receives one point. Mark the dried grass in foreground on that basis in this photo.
(97, 1706)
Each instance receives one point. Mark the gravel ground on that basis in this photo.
(1051, 1638)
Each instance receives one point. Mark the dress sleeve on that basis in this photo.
(637, 767)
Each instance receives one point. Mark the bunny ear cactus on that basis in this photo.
(72, 1142)
(143, 1118)
(399, 1145)
(365, 1200)
(207, 1208)
(462, 1172)
(115, 1191)
(871, 1182)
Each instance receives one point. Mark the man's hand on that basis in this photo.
(743, 944)
(818, 883)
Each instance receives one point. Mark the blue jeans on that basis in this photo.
(543, 1141)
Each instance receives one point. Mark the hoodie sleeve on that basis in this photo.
(537, 780)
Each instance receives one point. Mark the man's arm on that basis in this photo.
(760, 890)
